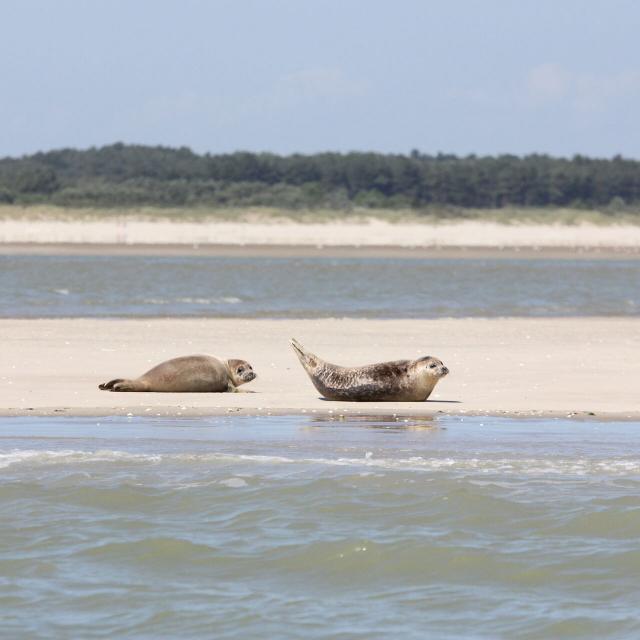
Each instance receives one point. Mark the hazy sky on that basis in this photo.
(457, 76)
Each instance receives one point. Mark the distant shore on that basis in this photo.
(30, 235)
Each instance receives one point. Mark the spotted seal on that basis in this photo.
(188, 374)
(398, 381)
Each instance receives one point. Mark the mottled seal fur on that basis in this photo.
(398, 381)
(197, 374)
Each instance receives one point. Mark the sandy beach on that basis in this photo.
(365, 234)
(525, 367)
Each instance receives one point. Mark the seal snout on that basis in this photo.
(445, 370)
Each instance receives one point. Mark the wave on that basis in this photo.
(527, 466)
(66, 456)
(189, 300)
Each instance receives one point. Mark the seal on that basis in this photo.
(195, 374)
(398, 381)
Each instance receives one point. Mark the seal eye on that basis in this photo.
(432, 365)
(240, 370)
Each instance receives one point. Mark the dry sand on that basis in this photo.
(367, 233)
(551, 367)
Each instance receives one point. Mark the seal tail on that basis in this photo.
(307, 359)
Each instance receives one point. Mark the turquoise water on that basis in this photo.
(297, 527)
(103, 286)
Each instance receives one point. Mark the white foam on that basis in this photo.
(220, 300)
(189, 300)
(8, 458)
(234, 483)
(508, 466)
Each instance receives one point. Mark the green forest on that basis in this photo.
(132, 175)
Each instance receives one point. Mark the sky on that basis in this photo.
(301, 76)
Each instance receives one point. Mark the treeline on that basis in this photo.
(132, 175)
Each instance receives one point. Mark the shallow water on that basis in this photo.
(296, 527)
(55, 286)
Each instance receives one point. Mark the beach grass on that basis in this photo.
(431, 215)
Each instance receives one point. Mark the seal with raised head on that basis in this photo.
(398, 381)
(188, 374)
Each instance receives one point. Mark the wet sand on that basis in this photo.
(523, 367)
(310, 251)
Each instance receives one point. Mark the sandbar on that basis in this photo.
(567, 367)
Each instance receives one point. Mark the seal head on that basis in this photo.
(240, 371)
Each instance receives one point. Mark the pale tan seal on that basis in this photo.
(398, 381)
(188, 374)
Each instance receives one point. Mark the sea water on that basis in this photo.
(318, 527)
(251, 287)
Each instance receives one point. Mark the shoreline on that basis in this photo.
(504, 367)
(194, 412)
(309, 251)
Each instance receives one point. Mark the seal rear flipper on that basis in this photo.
(307, 359)
(107, 386)
(121, 384)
